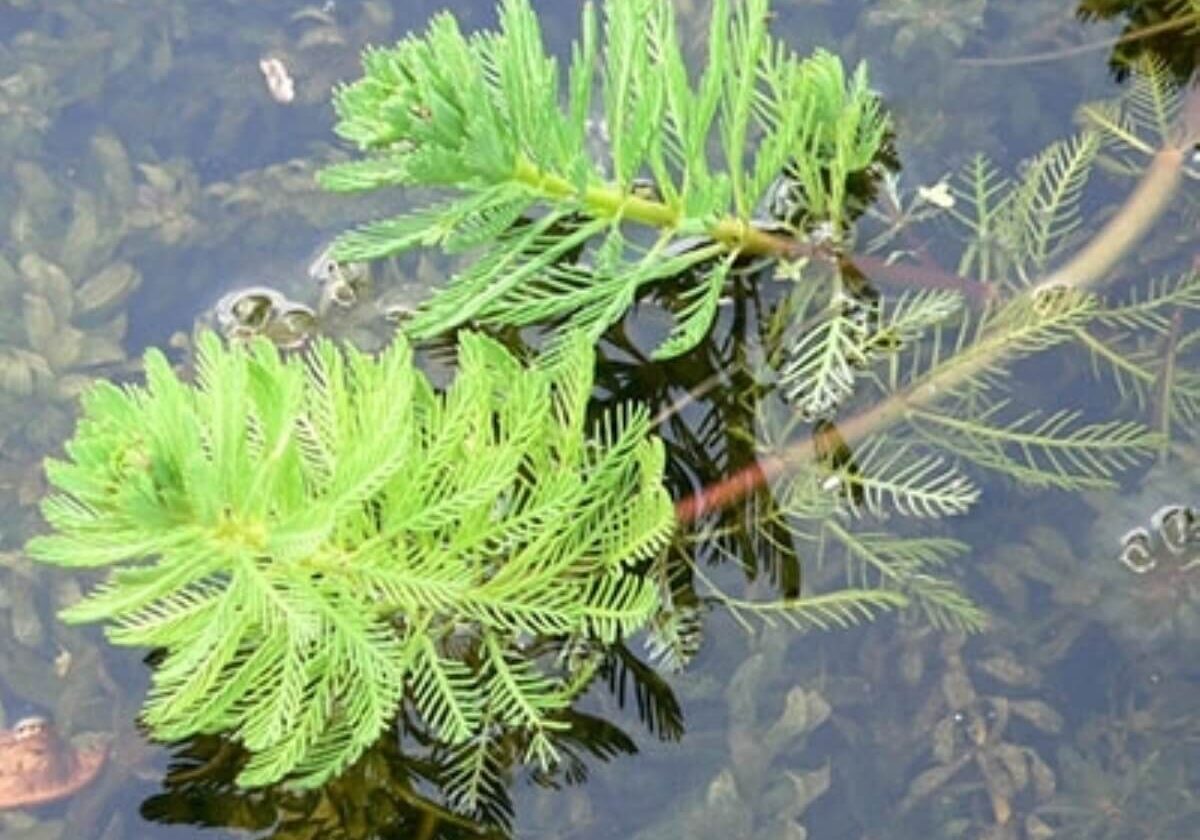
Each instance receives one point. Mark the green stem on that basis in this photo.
(1119, 362)
(608, 202)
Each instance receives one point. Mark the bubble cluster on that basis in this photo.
(1145, 553)
(254, 311)
(1173, 535)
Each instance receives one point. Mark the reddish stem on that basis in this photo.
(727, 491)
(922, 277)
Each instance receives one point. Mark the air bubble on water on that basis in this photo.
(1136, 554)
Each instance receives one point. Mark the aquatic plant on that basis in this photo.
(550, 220)
(1107, 795)
(1165, 29)
(419, 126)
(483, 117)
(751, 790)
(1017, 241)
(972, 735)
(937, 25)
(308, 571)
(431, 562)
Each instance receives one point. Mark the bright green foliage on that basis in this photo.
(488, 119)
(312, 539)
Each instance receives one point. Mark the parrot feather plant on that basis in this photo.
(321, 541)
(483, 118)
(568, 235)
(331, 535)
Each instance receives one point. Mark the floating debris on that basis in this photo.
(1177, 529)
(1147, 548)
(278, 79)
(1178, 526)
(37, 765)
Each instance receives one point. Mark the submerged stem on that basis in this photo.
(1169, 25)
(1144, 206)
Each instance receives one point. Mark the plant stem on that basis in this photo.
(1161, 414)
(1169, 25)
(612, 202)
(1140, 211)
(602, 201)
(608, 202)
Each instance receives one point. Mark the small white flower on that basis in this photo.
(938, 195)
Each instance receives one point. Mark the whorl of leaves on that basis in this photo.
(486, 120)
(312, 539)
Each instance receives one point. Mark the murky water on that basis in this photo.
(148, 170)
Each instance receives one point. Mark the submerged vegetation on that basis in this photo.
(323, 545)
